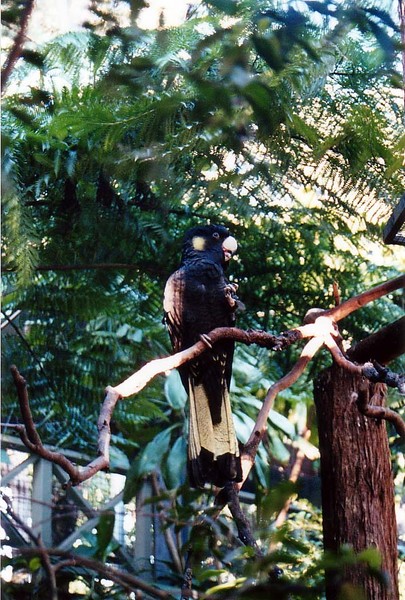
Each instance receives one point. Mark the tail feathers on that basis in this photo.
(213, 447)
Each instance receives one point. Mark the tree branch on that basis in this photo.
(121, 577)
(136, 382)
(32, 440)
(231, 498)
(248, 455)
(352, 304)
(377, 411)
(370, 370)
(323, 331)
(383, 346)
(42, 551)
(26, 344)
(17, 47)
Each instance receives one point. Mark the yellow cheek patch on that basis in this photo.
(198, 243)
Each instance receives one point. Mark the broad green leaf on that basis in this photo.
(262, 467)
(269, 50)
(310, 451)
(174, 390)
(282, 423)
(243, 425)
(123, 330)
(147, 461)
(176, 463)
(152, 455)
(35, 564)
(277, 497)
(118, 459)
(210, 574)
(300, 416)
(135, 335)
(223, 587)
(105, 529)
(279, 450)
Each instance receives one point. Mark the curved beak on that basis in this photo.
(229, 247)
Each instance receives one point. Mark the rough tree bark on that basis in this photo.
(357, 487)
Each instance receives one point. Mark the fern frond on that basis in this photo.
(20, 242)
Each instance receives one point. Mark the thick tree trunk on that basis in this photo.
(357, 487)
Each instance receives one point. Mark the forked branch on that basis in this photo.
(323, 331)
(33, 442)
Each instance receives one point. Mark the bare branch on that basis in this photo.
(136, 382)
(17, 47)
(321, 327)
(352, 304)
(384, 345)
(121, 577)
(377, 411)
(336, 293)
(25, 407)
(250, 449)
(46, 563)
(32, 440)
(230, 496)
(17, 330)
(370, 370)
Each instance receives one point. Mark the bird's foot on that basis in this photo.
(230, 291)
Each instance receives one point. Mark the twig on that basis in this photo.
(32, 440)
(250, 449)
(336, 293)
(242, 523)
(17, 47)
(352, 304)
(36, 539)
(321, 327)
(27, 345)
(376, 411)
(120, 577)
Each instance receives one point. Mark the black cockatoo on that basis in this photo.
(197, 299)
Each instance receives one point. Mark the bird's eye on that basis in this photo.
(215, 235)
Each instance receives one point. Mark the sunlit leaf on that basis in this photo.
(105, 529)
(176, 463)
(174, 390)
